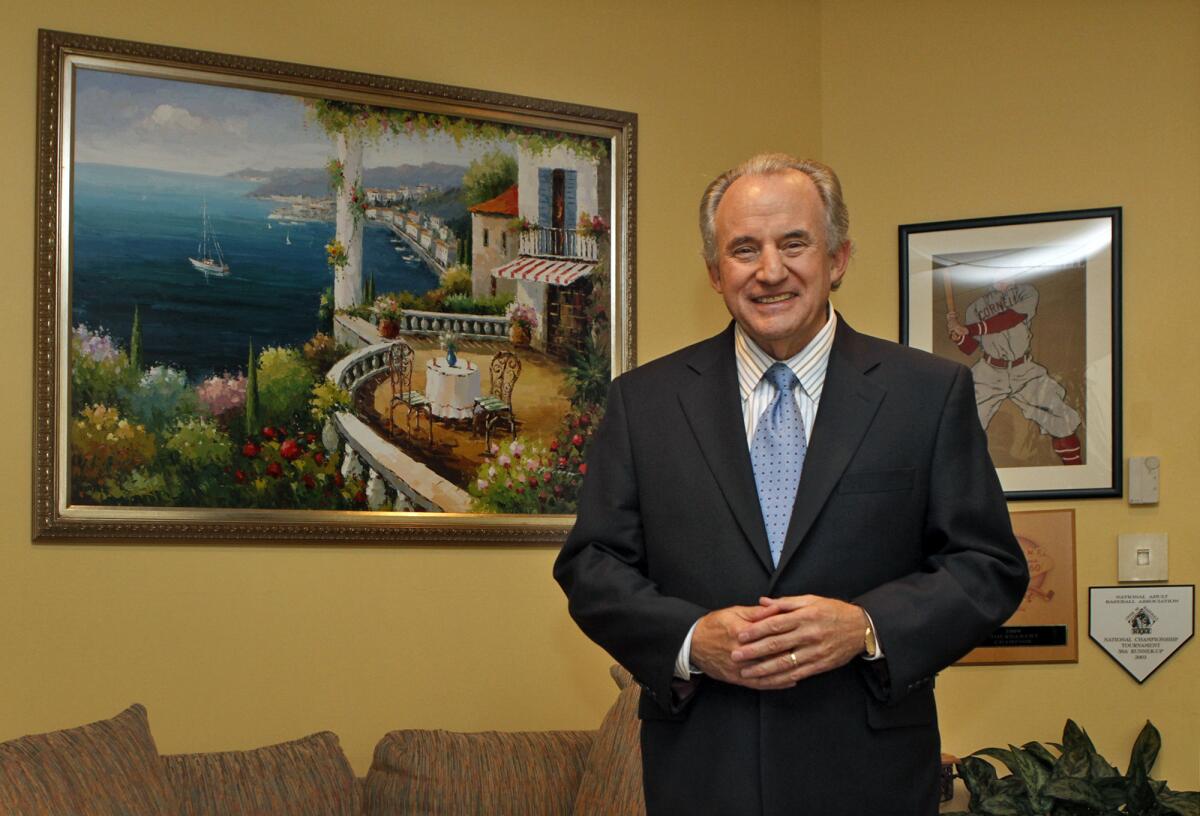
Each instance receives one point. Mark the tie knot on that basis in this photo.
(782, 377)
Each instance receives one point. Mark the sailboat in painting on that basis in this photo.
(211, 261)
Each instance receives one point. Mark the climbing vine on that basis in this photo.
(375, 122)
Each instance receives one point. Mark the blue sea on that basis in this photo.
(132, 233)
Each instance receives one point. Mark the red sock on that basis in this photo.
(1067, 448)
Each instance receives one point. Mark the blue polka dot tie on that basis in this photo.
(777, 454)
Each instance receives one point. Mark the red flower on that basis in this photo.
(290, 450)
(268, 432)
(553, 444)
(584, 420)
(319, 458)
(577, 441)
(520, 491)
(310, 438)
(546, 477)
(583, 469)
(562, 461)
(309, 481)
(360, 497)
(533, 481)
(239, 476)
(275, 469)
(249, 450)
(338, 480)
(558, 490)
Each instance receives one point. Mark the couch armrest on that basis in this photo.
(440, 772)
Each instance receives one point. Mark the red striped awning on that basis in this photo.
(545, 270)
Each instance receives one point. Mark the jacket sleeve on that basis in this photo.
(973, 574)
(602, 566)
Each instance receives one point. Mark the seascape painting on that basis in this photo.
(289, 302)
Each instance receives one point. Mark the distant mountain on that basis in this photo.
(314, 181)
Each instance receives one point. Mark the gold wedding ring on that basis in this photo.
(792, 657)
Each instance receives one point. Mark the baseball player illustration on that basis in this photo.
(999, 324)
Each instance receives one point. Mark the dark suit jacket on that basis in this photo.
(899, 510)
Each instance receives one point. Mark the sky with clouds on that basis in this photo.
(189, 127)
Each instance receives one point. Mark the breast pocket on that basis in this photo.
(877, 481)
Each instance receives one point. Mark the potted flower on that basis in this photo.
(522, 320)
(387, 310)
(592, 226)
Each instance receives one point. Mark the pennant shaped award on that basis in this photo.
(1141, 626)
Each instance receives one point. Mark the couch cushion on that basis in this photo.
(612, 779)
(304, 777)
(523, 773)
(106, 768)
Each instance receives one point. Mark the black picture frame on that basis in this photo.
(1050, 397)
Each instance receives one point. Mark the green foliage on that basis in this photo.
(321, 352)
(161, 397)
(457, 280)
(528, 477)
(1076, 782)
(327, 398)
(135, 342)
(100, 370)
(369, 292)
(325, 309)
(589, 374)
(284, 383)
(373, 123)
(200, 443)
(336, 170)
(105, 450)
(252, 400)
(488, 176)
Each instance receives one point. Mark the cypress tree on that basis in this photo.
(135, 342)
(252, 394)
(370, 298)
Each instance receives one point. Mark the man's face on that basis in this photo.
(774, 268)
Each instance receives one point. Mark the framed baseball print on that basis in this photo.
(1044, 629)
(1031, 304)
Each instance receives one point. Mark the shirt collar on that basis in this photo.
(809, 365)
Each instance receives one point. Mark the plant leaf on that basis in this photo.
(1006, 804)
(1112, 790)
(999, 753)
(1076, 737)
(978, 775)
(1074, 790)
(1041, 752)
(1185, 803)
(1034, 774)
(1142, 799)
(1145, 749)
(1073, 764)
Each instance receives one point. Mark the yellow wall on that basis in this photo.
(930, 110)
(238, 646)
(939, 110)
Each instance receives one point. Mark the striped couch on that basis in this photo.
(112, 768)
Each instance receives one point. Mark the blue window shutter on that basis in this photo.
(570, 216)
(545, 195)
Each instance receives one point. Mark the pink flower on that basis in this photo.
(502, 460)
(483, 484)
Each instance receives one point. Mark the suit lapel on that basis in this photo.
(849, 401)
(713, 407)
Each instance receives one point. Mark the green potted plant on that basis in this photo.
(1075, 781)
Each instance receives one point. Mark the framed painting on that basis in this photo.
(1031, 303)
(276, 301)
(1044, 629)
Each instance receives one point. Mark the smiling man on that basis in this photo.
(788, 529)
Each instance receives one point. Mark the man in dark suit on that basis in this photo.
(786, 647)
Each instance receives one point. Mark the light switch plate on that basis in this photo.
(1142, 557)
(1143, 479)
